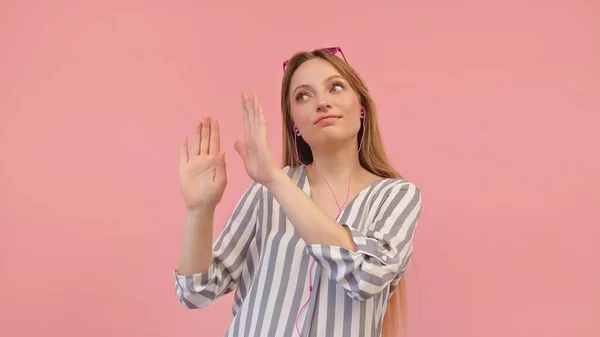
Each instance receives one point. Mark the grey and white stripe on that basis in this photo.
(260, 256)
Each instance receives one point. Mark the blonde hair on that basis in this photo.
(372, 156)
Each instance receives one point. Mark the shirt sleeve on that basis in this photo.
(230, 250)
(383, 247)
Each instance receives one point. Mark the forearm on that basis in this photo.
(310, 221)
(196, 251)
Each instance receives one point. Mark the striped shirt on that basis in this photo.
(259, 255)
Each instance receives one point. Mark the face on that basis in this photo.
(323, 105)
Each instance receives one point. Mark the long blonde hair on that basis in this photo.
(372, 156)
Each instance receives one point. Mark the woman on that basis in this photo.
(301, 263)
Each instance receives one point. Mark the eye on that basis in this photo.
(337, 85)
(300, 95)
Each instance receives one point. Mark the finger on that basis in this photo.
(205, 136)
(260, 117)
(183, 152)
(249, 106)
(215, 142)
(240, 148)
(196, 140)
(245, 116)
(253, 116)
(254, 105)
(255, 112)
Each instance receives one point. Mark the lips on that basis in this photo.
(327, 118)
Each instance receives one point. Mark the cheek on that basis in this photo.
(350, 102)
(356, 101)
(300, 114)
(352, 107)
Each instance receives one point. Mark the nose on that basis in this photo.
(323, 106)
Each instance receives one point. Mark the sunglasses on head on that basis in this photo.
(330, 50)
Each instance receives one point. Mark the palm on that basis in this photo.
(202, 171)
(258, 158)
(254, 162)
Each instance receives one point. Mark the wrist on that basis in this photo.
(278, 178)
(200, 212)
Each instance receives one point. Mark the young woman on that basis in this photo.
(300, 262)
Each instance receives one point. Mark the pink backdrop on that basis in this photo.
(490, 107)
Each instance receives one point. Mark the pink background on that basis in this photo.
(490, 107)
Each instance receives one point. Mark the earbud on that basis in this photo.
(296, 130)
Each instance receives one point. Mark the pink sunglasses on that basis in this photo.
(331, 50)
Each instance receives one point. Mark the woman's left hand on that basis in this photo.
(258, 158)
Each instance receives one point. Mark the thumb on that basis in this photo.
(221, 166)
(240, 148)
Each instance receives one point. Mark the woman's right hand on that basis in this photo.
(202, 170)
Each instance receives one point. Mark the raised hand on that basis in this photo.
(202, 171)
(258, 158)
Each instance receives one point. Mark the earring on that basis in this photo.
(362, 112)
(296, 130)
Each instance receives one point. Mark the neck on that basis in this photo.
(335, 167)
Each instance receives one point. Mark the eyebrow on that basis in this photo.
(308, 86)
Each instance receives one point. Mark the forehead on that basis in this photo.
(313, 71)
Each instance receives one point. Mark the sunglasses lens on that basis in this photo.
(331, 50)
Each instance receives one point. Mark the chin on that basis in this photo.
(328, 136)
